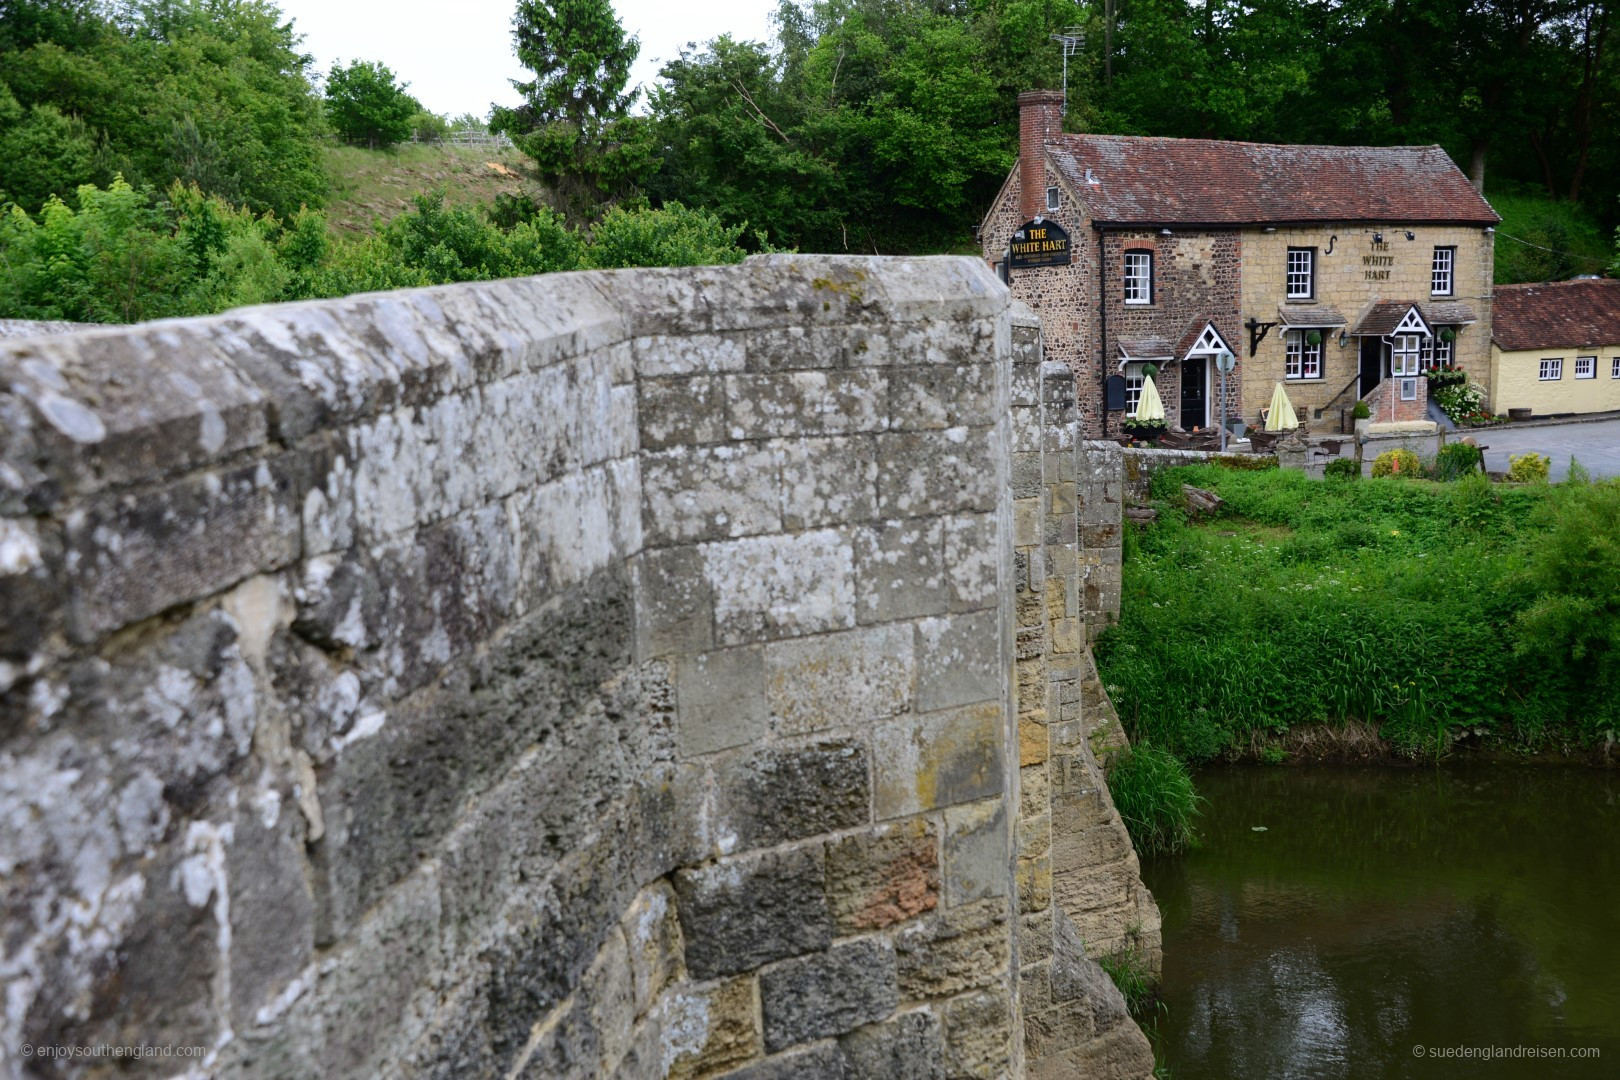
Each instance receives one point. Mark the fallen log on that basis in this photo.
(1200, 501)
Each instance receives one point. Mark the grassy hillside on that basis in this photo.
(377, 184)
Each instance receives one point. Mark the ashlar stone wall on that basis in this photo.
(603, 674)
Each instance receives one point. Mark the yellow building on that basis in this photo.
(1555, 347)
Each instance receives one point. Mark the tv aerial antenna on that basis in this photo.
(1073, 39)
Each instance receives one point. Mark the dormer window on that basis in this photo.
(1139, 277)
(1301, 273)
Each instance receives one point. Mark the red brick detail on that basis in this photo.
(1385, 404)
(1559, 314)
(1040, 119)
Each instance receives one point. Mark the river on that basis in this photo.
(1366, 922)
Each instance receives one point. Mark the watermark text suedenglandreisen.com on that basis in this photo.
(1492, 1053)
(110, 1051)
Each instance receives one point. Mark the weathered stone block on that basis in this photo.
(977, 862)
(686, 354)
(978, 1035)
(674, 604)
(911, 1046)
(954, 951)
(709, 1027)
(883, 876)
(938, 759)
(827, 993)
(972, 560)
(833, 680)
(652, 933)
(807, 403)
(746, 911)
(824, 1062)
(771, 587)
(609, 989)
(709, 493)
(939, 396)
(681, 412)
(899, 569)
(772, 794)
(936, 472)
(136, 555)
(958, 660)
(721, 699)
(826, 481)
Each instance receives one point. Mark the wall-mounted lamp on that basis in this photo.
(1489, 229)
(1344, 338)
(1410, 235)
(1271, 228)
(1378, 238)
(1164, 232)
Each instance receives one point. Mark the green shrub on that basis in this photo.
(1154, 795)
(1530, 468)
(1361, 411)
(1398, 463)
(1342, 469)
(1457, 460)
(1247, 462)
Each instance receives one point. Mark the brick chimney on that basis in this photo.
(1040, 117)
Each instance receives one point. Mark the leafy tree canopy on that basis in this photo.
(366, 105)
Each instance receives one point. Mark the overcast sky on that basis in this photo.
(458, 56)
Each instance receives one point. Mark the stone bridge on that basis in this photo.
(639, 674)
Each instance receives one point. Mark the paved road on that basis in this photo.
(1595, 445)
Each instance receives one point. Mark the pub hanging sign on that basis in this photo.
(1039, 243)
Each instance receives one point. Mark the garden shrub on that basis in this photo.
(1457, 460)
(1342, 469)
(1401, 463)
(1361, 411)
(1530, 468)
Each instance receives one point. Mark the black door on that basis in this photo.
(1193, 414)
(1372, 363)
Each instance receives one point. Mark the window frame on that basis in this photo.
(1440, 351)
(1591, 367)
(1450, 252)
(1297, 353)
(1130, 280)
(1310, 274)
(1554, 364)
(1408, 388)
(1411, 356)
(1614, 367)
(1054, 198)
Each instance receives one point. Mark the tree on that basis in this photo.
(365, 104)
(575, 119)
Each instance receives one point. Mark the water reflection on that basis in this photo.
(1383, 909)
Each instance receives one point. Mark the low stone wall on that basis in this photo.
(604, 674)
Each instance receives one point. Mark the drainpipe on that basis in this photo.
(1102, 329)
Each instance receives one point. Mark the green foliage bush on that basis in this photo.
(1398, 463)
(1361, 411)
(1529, 468)
(1458, 459)
(367, 106)
(1421, 610)
(1342, 469)
(1154, 794)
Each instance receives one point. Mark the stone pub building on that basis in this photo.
(1340, 271)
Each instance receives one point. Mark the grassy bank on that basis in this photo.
(1437, 614)
(369, 186)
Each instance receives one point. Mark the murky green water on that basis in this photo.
(1471, 906)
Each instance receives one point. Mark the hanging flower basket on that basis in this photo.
(1145, 430)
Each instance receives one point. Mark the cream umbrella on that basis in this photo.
(1150, 406)
(1281, 417)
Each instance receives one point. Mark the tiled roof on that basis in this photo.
(1555, 314)
(1448, 314)
(1381, 317)
(1195, 330)
(1314, 317)
(1127, 180)
(1150, 348)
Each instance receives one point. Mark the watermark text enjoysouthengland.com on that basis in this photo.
(1493, 1053)
(110, 1052)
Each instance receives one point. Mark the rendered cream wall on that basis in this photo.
(1516, 382)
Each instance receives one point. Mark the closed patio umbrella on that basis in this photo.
(1281, 417)
(1150, 406)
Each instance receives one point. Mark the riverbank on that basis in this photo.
(1370, 619)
